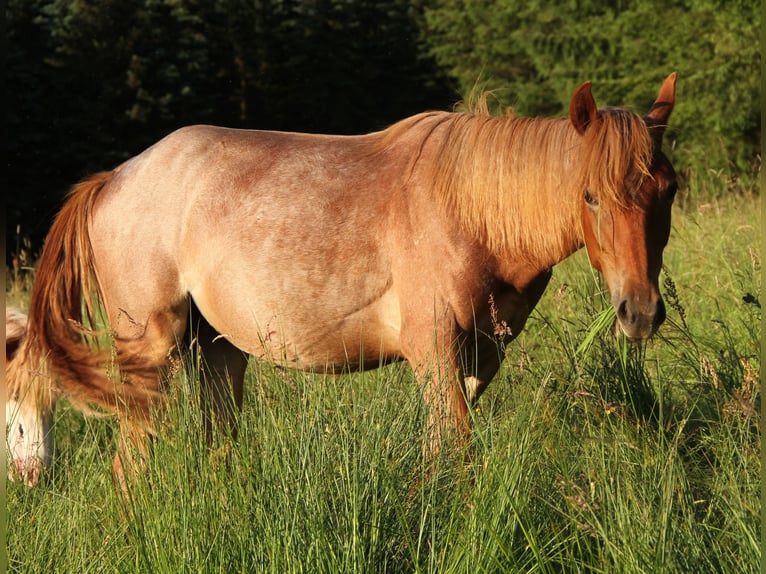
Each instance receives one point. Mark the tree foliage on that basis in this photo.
(535, 53)
(93, 82)
(96, 81)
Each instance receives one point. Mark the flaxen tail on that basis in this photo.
(64, 305)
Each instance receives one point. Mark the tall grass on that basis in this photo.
(588, 454)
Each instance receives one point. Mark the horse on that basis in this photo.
(322, 252)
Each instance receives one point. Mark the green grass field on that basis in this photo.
(588, 455)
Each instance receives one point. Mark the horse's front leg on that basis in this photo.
(433, 350)
(444, 393)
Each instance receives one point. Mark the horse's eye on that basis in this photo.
(590, 199)
(21, 431)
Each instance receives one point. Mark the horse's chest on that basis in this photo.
(508, 306)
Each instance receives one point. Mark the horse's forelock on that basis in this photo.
(617, 156)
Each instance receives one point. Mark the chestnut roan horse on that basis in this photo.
(335, 252)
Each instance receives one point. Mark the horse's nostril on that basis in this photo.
(640, 319)
(623, 313)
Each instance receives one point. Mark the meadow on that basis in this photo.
(588, 454)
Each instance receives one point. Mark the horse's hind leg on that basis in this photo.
(145, 348)
(222, 367)
(222, 370)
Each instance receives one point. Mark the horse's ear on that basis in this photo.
(659, 113)
(582, 108)
(15, 331)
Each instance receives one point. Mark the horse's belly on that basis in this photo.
(330, 351)
(309, 333)
(329, 348)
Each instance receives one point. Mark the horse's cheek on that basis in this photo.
(592, 244)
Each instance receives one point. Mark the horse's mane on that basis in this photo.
(514, 182)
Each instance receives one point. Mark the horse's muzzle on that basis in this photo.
(27, 471)
(639, 320)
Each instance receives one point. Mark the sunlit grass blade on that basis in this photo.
(603, 322)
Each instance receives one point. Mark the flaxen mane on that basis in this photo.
(505, 177)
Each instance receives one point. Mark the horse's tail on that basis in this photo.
(64, 306)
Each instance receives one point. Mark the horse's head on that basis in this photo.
(626, 231)
(28, 409)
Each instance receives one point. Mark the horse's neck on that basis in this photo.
(510, 183)
(527, 200)
(546, 219)
(544, 251)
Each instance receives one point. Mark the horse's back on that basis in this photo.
(280, 239)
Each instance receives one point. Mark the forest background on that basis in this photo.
(93, 82)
